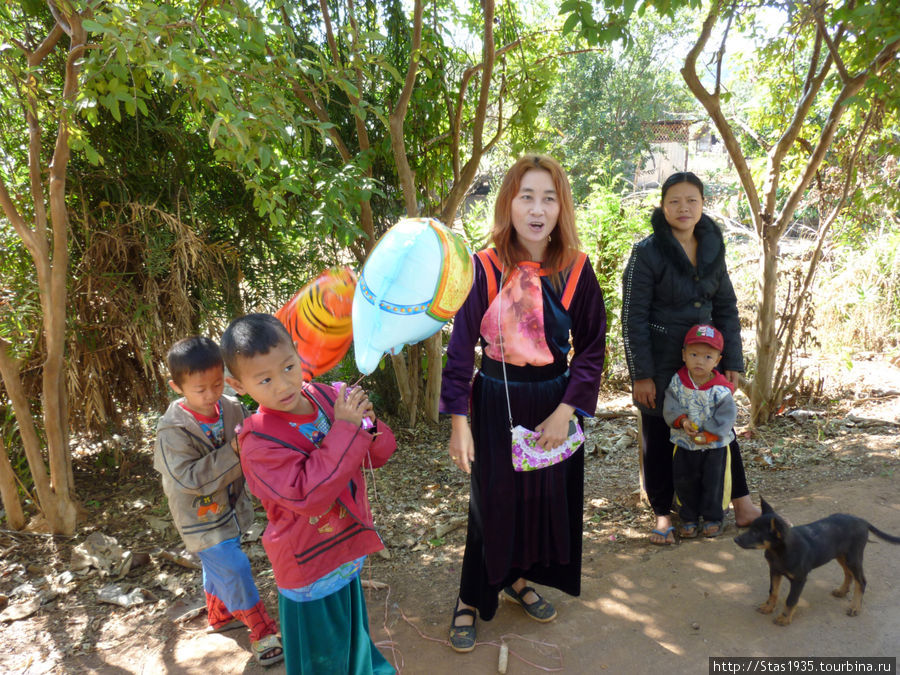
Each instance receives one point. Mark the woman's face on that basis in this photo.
(534, 211)
(683, 206)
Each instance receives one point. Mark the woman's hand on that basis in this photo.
(644, 392)
(555, 429)
(734, 377)
(462, 446)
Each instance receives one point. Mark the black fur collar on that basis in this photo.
(710, 243)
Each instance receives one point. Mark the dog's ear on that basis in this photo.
(779, 526)
(765, 505)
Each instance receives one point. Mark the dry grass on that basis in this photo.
(134, 294)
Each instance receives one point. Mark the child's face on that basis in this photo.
(700, 360)
(273, 379)
(202, 390)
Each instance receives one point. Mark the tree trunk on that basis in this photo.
(401, 374)
(58, 509)
(9, 493)
(47, 242)
(767, 349)
(435, 357)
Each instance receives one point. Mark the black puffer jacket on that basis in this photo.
(663, 295)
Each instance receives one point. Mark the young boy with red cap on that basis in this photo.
(700, 410)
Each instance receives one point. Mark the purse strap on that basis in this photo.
(503, 357)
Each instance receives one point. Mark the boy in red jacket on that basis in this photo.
(303, 454)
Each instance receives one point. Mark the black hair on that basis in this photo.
(251, 335)
(192, 355)
(682, 177)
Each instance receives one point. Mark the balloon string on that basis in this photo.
(549, 650)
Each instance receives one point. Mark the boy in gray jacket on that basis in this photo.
(202, 479)
(700, 410)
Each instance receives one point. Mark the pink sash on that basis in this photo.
(517, 313)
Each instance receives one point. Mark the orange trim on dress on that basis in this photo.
(490, 260)
(572, 281)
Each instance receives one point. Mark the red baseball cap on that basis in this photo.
(706, 334)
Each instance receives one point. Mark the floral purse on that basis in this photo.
(527, 456)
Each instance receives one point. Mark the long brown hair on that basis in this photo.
(563, 242)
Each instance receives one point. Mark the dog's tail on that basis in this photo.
(884, 535)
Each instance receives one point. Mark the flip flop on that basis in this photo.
(665, 536)
(688, 530)
(709, 526)
(233, 624)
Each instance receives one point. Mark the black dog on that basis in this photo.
(794, 551)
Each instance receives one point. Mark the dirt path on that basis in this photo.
(653, 610)
(643, 609)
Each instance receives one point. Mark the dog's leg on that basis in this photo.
(797, 584)
(848, 576)
(856, 602)
(774, 584)
(854, 564)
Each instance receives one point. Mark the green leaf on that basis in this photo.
(571, 22)
(214, 131)
(92, 26)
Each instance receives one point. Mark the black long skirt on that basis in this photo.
(521, 524)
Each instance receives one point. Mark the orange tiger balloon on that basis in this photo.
(318, 319)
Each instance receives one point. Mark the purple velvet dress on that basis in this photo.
(526, 524)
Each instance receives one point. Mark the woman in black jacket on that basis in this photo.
(674, 279)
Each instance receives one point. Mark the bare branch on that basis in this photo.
(456, 124)
(329, 33)
(720, 55)
(18, 223)
(778, 152)
(59, 18)
(875, 110)
(321, 115)
(810, 91)
(813, 62)
(36, 184)
(850, 89)
(824, 229)
(822, 30)
(568, 52)
(464, 176)
(46, 46)
(489, 58)
(398, 115)
(367, 219)
(200, 9)
(713, 107)
(751, 132)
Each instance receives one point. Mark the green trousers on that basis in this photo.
(330, 636)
